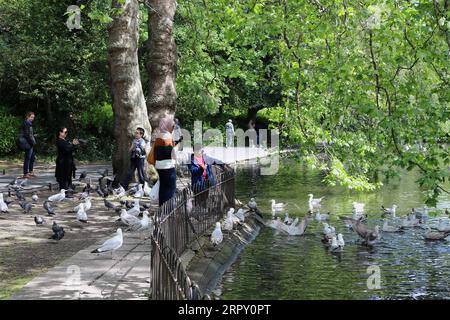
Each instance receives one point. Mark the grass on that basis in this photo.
(10, 286)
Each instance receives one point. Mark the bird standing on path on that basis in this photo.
(217, 236)
(39, 220)
(50, 210)
(3, 205)
(81, 213)
(58, 197)
(35, 197)
(58, 232)
(112, 244)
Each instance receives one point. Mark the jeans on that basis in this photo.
(29, 161)
(167, 184)
(135, 164)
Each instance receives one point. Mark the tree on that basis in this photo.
(162, 59)
(128, 98)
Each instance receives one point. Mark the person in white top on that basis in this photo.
(229, 128)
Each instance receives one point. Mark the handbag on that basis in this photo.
(154, 193)
(23, 143)
(151, 156)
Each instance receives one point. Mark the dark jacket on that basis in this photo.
(26, 136)
(197, 178)
(65, 164)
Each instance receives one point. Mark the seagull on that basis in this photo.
(217, 236)
(369, 236)
(135, 210)
(358, 207)
(3, 205)
(420, 214)
(321, 217)
(240, 214)
(140, 192)
(387, 228)
(410, 221)
(26, 206)
(145, 223)
(252, 204)
(112, 244)
(35, 197)
(128, 219)
(294, 230)
(389, 211)
(49, 209)
(444, 226)
(314, 203)
(87, 204)
(58, 197)
(119, 192)
(277, 206)
(229, 221)
(340, 240)
(39, 220)
(288, 220)
(81, 213)
(327, 229)
(58, 232)
(147, 189)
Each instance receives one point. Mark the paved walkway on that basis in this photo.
(100, 277)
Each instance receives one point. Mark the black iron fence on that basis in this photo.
(178, 223)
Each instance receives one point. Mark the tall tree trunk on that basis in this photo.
(129, 106)
(162, 62)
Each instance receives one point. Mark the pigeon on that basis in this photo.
(58, 232)
(128, 219)
(217, 236)
(81, 213)
(100, 192)
(82, 176)
(147, 189)
(39, 220)
(35, 197)
(252, 204)
(23, 183)
(140, 192)
(389, 211)
(49, 209)
(20, 196)
(26, 206)
(111, 244)
(13, 182)
(58, 197)
(3, 205)
(314, 203)
(109, 204)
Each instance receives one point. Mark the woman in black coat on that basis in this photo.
(27, 143)
(65, 164)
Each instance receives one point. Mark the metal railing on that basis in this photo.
(179, 222)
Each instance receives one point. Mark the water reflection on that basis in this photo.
(276, 266)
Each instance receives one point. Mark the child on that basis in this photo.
(137, 151)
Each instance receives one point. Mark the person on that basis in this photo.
(65, 164)
(178, 135)
(253, 133)
(137, 158)
(27, 143)
(229, 128)
(202, 176)
(162, 156)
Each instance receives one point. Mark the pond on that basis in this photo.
(277, 266)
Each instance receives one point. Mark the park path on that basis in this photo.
(127, 276)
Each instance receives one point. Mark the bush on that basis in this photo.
(9, 129)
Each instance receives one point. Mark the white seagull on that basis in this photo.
(135, 210)
(277, 206)
(140, 192)
(3, 205)
(217, 236)
(81, 213)
(112, 244)
(314, 203)
(147, 189)
(129, 219)
(358, 207)
(58, 197)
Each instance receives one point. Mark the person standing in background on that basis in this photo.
(65, 163)
(137, 158)
(229, 129)
(27, 142)
(162, 156)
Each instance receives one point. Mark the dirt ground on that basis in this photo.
(25, 248)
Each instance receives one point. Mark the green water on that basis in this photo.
(277, 266)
